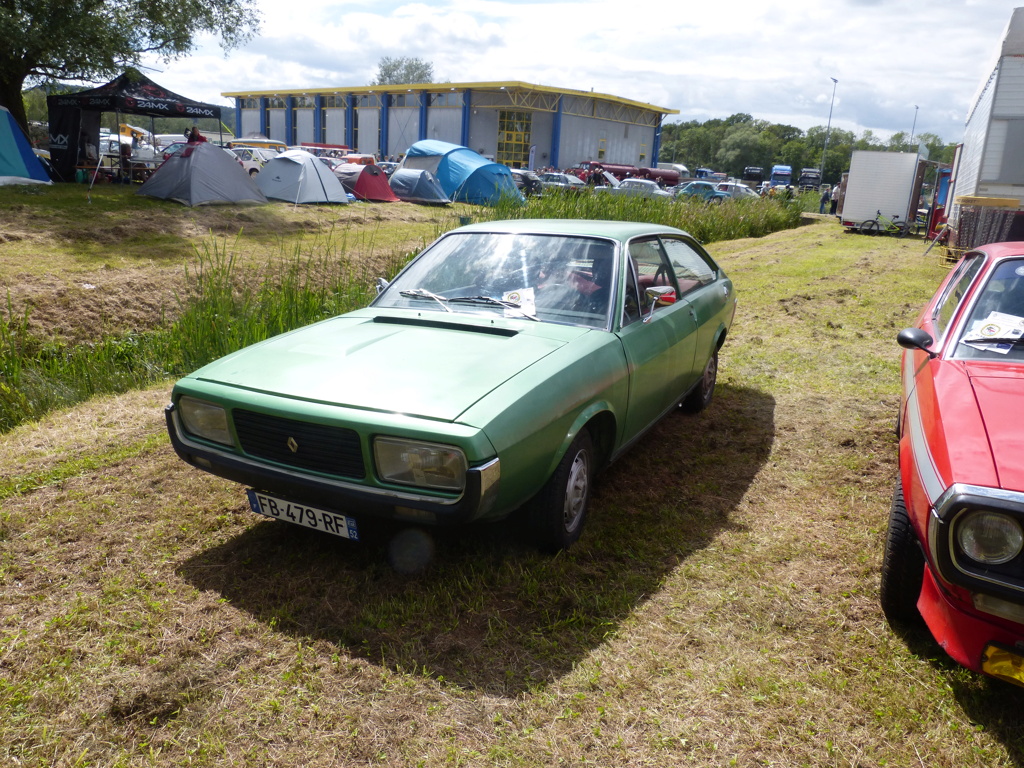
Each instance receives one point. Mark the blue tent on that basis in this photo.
(464, 175)
(18, 163)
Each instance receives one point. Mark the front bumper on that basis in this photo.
(973, 641)
(347, 498)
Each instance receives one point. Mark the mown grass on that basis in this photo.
(721, 608)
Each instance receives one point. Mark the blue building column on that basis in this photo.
(424, 110)
(289, 120)
(350, 120)
(467, 103)
(263, 115)
(238, 117)
(385, 108)
(656, 150)
(556, 135)
(318, 119)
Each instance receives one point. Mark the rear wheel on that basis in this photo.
(902, 566)
(700, 397)
(558, 512)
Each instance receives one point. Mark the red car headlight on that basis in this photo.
(991, 538)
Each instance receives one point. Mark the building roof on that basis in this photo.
(510, 85)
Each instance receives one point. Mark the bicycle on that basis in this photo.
(886, 226)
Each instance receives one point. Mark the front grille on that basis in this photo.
(299, 444)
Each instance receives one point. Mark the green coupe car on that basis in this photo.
(501, 369)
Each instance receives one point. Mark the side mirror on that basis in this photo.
(381, 285)
(915, 338)
(659, 296)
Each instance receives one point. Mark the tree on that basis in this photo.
(45, 41)
(402, 70)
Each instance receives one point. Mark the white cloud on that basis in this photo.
(769, 59)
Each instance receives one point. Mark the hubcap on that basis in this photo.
(576, 492)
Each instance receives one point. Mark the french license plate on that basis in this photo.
(300, 514)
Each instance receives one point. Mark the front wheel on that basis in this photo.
(869, 227)
(558, 512)
(902, 566)
(700, 397)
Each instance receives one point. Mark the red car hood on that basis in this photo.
(999, 391)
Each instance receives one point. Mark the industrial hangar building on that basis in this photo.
(517, 124)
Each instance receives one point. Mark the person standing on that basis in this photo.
(826, 197)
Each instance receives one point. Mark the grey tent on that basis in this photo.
(415, 185)
(202, 174)
(299, 177)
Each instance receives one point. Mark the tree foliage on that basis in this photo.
(731, 144)
(401, 70)
(45, 41)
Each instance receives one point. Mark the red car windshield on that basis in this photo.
(994, 330)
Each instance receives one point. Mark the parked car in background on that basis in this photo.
(501, 369)
(253, 158)
(638, 188)
(173, 149)
(954, 552)
(388, 167)
(702, 190)
(565, 181)
(737, 191)
(527, 182)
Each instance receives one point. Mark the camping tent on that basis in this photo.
(75, 117)
(18, 163)
(417, 186)
(299, 177)
(365, 182)
(202, 174)
(463, 174)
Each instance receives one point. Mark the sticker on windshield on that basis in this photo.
(996, 333)
(524, 298)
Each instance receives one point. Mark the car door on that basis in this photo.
(659, 345)
(708, 293)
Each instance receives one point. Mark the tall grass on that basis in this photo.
(223, 306)
(707, 223)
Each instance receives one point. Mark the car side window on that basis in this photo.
(651, 268)
(958, 287)
(631, 305)
(690, 267)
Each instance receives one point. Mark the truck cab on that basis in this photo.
(782, 176)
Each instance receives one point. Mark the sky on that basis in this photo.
(911, 66)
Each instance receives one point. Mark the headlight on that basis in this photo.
(204, 419)
(991, 538)
(427, 465)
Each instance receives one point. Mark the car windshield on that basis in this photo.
(994, 330)
(553, 278)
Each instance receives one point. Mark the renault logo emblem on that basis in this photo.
(292, 445)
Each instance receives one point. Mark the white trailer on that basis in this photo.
(882, 182)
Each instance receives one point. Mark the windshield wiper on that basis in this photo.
(422, 293)
(495, 302)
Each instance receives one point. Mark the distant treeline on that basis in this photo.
(739, 141)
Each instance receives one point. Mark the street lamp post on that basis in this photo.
(828, 130)
(914, 126)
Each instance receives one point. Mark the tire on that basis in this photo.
(700, 398)
(559, 511)
(253, 171)
(906, 229)
(869, 227)
(902, 567)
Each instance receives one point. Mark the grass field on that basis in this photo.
(721, 608)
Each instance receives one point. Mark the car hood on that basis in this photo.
(428, 365)
(997, 389)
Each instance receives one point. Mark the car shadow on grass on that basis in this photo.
(478, 606)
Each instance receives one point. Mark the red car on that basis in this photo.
(954, 553)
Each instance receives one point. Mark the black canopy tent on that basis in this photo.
(75, 117)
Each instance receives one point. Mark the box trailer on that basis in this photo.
(881, 182)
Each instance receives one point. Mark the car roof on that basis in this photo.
(616, 230)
